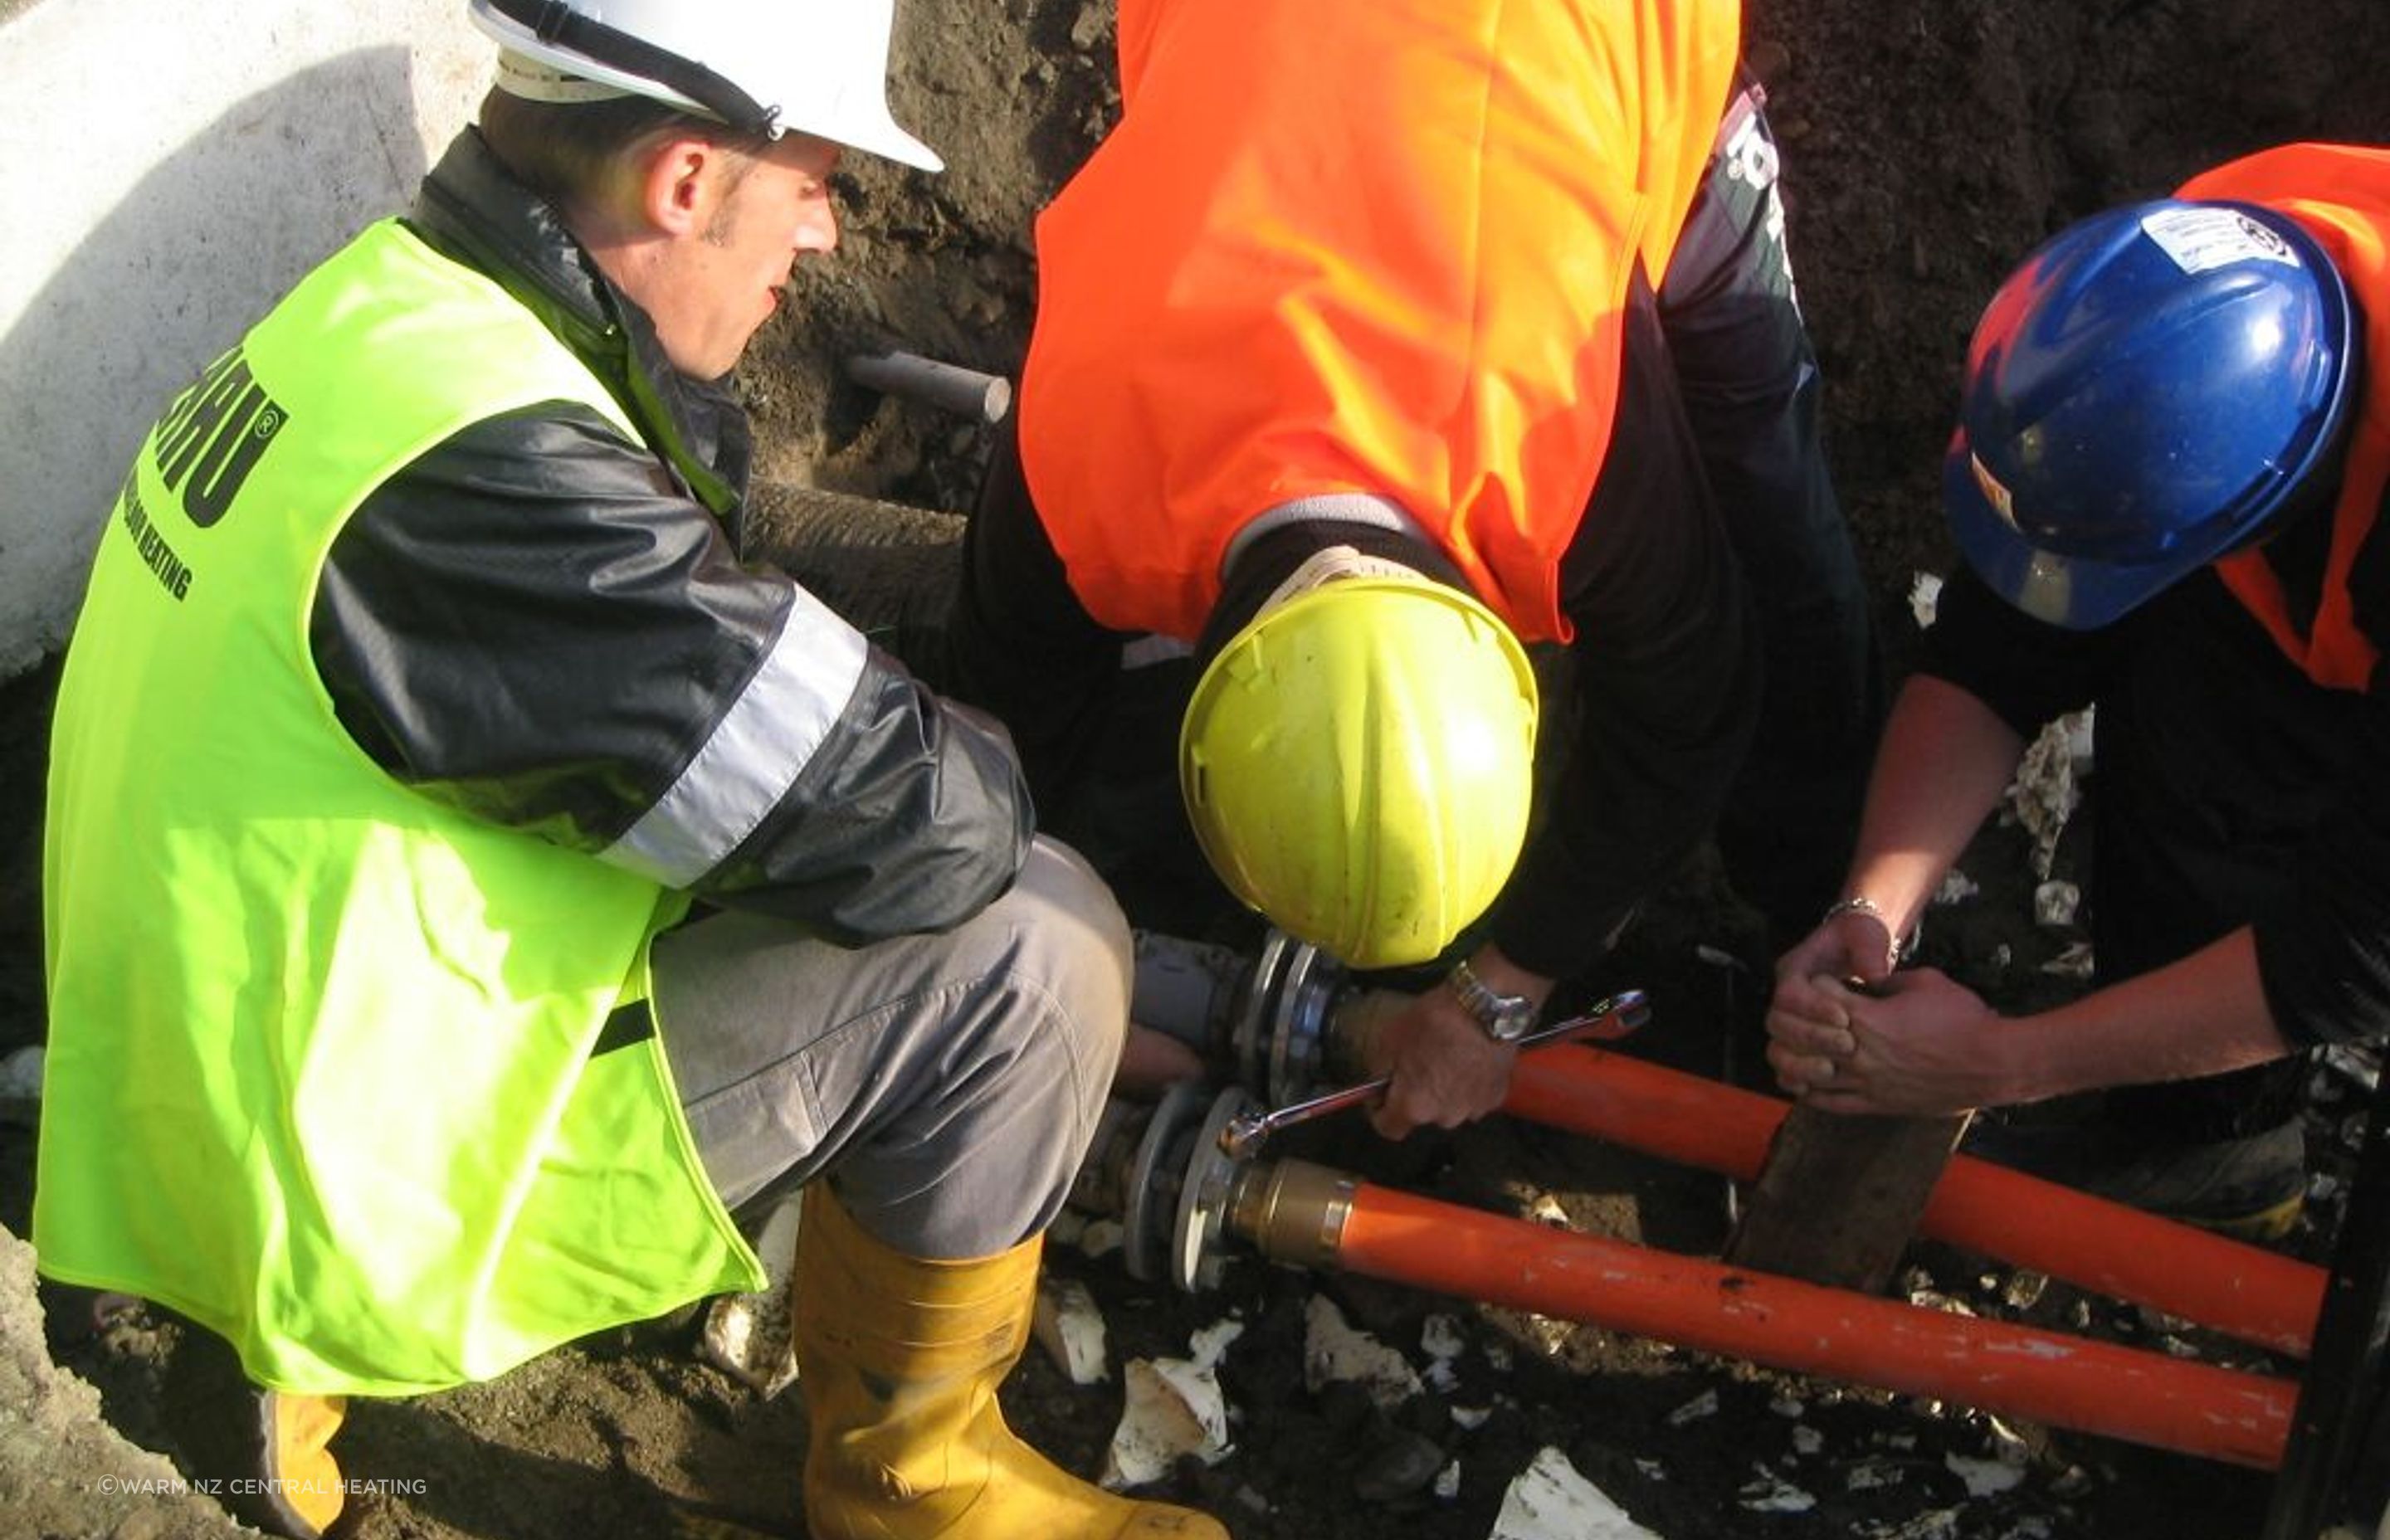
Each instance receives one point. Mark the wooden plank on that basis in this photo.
(1840, 1194)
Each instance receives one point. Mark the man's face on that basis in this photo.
(721, 283)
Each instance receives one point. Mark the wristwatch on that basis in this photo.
(1505, 1018)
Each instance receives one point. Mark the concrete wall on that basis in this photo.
(172, 166)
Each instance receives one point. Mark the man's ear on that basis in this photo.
(677, 192)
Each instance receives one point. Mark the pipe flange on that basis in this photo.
(1204, 1193)
(1147, 1206)
(1251, 1038)
(1098, 1186)
(1298, 1024)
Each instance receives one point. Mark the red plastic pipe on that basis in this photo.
(2246, 1292)
(2045, 1377)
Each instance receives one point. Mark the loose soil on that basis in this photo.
(1927, 144)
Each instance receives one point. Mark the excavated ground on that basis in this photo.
(1928, 143)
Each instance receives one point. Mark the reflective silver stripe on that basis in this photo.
(1332, 508)
(758, 749)
(1153, 649)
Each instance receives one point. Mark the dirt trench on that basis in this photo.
(1927, 144)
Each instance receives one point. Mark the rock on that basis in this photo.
(64, 1472)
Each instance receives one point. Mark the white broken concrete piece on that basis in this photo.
(2045, 794)
(1100, 1238)
(1984, 1478)
(1334, 1352)
(21, 1086)
(1701, 1406)
(752, 1336)
(1211, 1343)
(2075, 962)
(1768, 1493)
(1173, 1408)
(1070, 1328)
(1956, 888)
(1551, 1501)
(1924, 598)
(2054, 904)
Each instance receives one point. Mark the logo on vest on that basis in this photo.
(213, 437)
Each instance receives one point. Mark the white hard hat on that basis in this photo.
(818, 67)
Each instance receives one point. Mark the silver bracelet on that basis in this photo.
(1896, 948)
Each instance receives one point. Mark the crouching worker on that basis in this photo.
(1358, 414)
(2167, 482)
(467, 886)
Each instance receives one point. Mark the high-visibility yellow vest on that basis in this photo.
(321, 1070)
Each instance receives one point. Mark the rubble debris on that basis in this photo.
(2359, 1063)
(1701, 1406)
(1768, 1493)
(1985, 1478)
(20, 1087)
(752, 1337)
(1070, 1327)
(2075, 962)
(1334, 1352)
(2054, 904)
(1551, 1501)
(1924, 598)
(1173, 1409)
(2046, 791)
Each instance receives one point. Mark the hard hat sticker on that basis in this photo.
(1994, 491)
(2200, 238)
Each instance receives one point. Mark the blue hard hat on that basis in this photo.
(2141, 394)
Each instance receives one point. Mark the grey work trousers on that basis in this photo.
(946, 1085)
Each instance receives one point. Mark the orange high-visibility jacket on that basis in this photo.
(1357, 245)
(2341, 195)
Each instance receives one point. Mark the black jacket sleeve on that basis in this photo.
(1658, 692)
(2323, 951)
(535, 623)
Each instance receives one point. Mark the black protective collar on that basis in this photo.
(472, 209)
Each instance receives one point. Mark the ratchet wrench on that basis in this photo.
(1609, 1019)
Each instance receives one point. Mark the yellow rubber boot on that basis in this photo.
(267, 1454)
(296, 1433)
(899, 1359)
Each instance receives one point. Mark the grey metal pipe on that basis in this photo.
(950, 387)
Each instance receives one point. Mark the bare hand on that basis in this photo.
(1924, 1045)
(1444, 1070)
(1151, 1062)
(1811, 1017)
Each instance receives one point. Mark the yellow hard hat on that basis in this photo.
(1358, 763)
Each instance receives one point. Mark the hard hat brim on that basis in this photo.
(864, 126)
(2073, 592)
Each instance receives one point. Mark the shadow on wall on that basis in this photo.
(198, 250)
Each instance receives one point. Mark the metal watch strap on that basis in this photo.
(1503, 1017)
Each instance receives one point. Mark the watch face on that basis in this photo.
(1510, 1019)
(1506, 1018)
